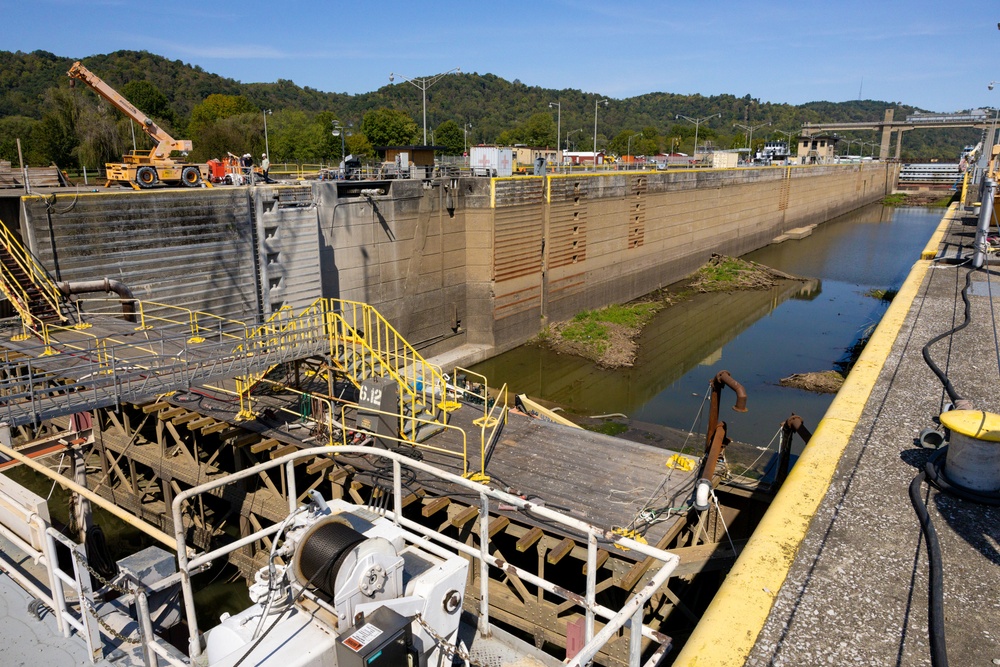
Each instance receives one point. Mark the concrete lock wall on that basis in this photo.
(190, 248)
(490, 262)
(602, 239)
(448, 262)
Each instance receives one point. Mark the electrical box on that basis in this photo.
(378, 407)
(381, 639)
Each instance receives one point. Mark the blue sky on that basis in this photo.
(931, 54)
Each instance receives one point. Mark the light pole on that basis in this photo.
(629, 152)
(598, 102)
(568, 135)
(465, 137)
(558, 107)
(267, 148)
(339, 131)
(423, 84)
(697, 122)
(750, 129)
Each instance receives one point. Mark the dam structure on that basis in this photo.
(274, 324)
(473, 265)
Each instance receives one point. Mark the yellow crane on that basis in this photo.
(144, 169)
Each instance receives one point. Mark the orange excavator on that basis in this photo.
(145, 169)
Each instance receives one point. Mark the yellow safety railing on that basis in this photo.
(340, 406)
(14, 291)
(364, 333)
(361, 343)
(492, 418)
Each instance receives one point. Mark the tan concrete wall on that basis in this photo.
(602, 239)
(448, 261)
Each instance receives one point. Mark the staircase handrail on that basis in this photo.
(431, 381)
(35, 272)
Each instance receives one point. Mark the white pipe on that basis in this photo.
(703, 489)
(128, 518)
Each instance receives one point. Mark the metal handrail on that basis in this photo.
(35, 272)
(68, 619)
(628, 616)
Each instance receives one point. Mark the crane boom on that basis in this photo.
(165, 144)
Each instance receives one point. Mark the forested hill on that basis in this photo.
(59, 125)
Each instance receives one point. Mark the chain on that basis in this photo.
(107, 628)
(449, 649)
(84, 602)
(95, 575)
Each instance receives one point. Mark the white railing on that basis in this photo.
(629, 616)
(81, 617)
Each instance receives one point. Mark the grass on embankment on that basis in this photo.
(607, 336)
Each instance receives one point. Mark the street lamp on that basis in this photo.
(340, 131)
(598, 102)
(558, 107)
(465, 136)
(568, 135)
(750, 129)
(423, 84)
(267, 148)
(629, 152)
(696, 122)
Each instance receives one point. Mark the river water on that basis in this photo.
(759, 337)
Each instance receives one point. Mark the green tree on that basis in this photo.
(56, 135)
(237, 135)
(388, 127)
(359, 146)
(104, 134)
(13, 128)
(538, 130)
(149, 100)
(225, 124)
(449, 136)
(298, 136)
(217, 107)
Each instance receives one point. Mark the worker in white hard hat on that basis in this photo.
(265, 165)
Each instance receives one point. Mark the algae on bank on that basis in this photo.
(607, 336)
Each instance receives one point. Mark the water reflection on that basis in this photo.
(758, 336)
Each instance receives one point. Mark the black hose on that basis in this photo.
(935, 620)
(952, 394)
(937, 475)
(933, 473)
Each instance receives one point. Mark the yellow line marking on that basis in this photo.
(727, 632)
(934, 244)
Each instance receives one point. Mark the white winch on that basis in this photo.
(355, 591)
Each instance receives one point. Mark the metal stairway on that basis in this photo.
(363, 345)
(26, 284)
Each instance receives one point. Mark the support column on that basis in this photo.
(899, 143)
(883, 151)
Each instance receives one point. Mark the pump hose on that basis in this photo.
(952, 393)
(933, 474)
(935, 620)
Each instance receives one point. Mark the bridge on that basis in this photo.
(888, 125)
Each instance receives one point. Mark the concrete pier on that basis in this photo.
(837, 572)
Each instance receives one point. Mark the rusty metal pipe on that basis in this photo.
(791, 425)
(723, 379)
(719, 442)
(105, 285)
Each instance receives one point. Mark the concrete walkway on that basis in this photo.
(845, 533)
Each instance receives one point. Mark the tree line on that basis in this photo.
(73, 127)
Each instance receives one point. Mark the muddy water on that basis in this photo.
(759, 337)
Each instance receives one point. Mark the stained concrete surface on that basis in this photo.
(29, 642)
(857, 593)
